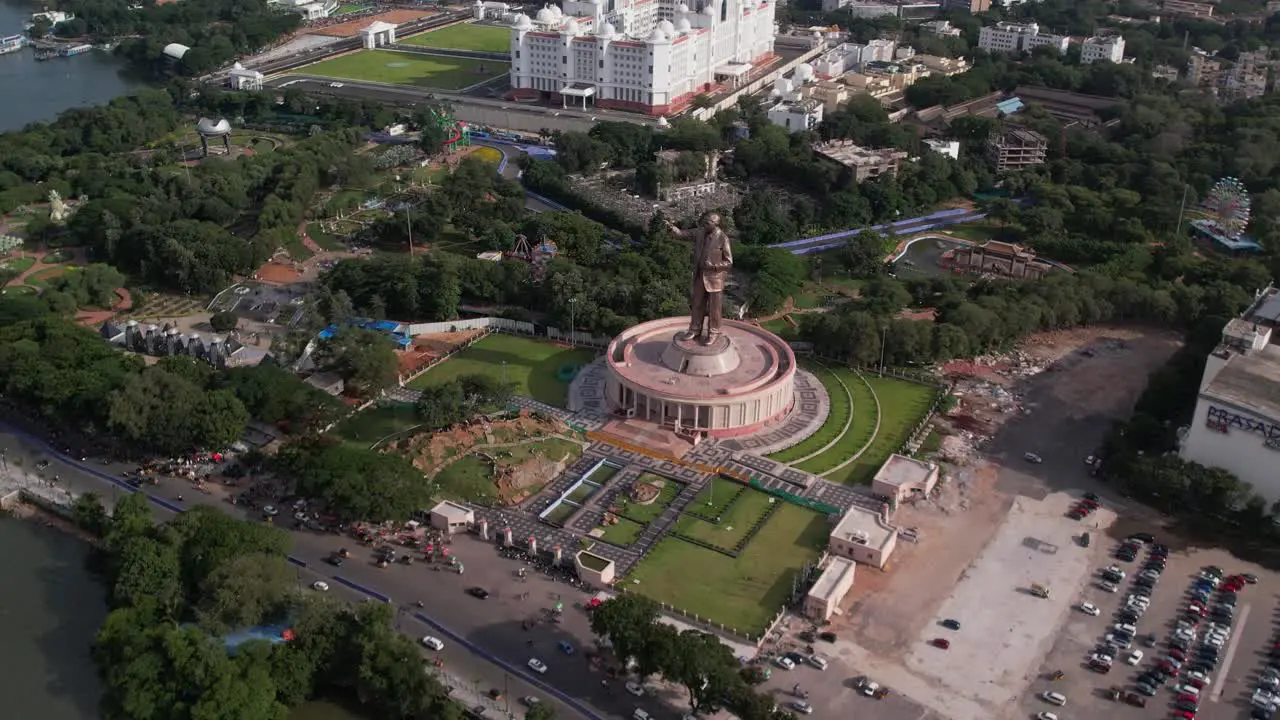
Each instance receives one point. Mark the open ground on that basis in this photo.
(404, 68)
(464, 36)
(996, 526)
(532, 366)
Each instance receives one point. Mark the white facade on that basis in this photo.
(621, 54)
(241, 79)
(378, 33)
(1236, 425)
(1102, 49)
(849, 57)
(796, 115)
(939, 28)
(1014, 38)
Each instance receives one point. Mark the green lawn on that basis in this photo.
(624, 532)
(742, 593)
(464, 36)
(469, 479)
(581, 493)
(902, 405)
(17, 265)
(324, 239)
(531, 365)
(645, 514)
(297, 249)
(17, 290)
(402, 68)
(831, 429)
(349, 8)
(366, 427)
(860, 431)
(603, 474)
(714, 499)
(734, 525)
(562, 513)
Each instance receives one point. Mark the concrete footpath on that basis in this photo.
(472, 674)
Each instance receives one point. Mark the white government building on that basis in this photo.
(1236, 425)
(648, 56)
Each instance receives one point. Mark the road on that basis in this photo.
(485, 645)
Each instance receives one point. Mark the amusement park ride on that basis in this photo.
(457, 133)
(537, 255)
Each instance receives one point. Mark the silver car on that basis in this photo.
(802, 707)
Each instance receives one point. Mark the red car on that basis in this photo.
(1177, 654)
(941, 643)
(1187, 697)
(1196, 683)
(1184, 715)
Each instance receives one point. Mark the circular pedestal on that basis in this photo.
(691, 357)
(741, 381)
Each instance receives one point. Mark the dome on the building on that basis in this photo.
(573, 27)
(556, 11)
(237, 66)
(658, 36)
(683, 25)
(804, 72)
(682, 8)
(662, 122)
(667, 28)
(209, 126)
(709, 10)
(545, 16)
(523, 22)
(607, 30)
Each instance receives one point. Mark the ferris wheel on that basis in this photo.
(1228, 206)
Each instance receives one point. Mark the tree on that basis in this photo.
(88, 513)
(365, 359)
(627, 621)
(247, 590)
(224, 321)
(355, 483)
(541, 711)
(158, 409)
(148, 576)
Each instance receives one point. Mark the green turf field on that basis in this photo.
(531, 365)
(902, 406)
(833, 428)
(402, 68)
(742, 593)
(464, 36)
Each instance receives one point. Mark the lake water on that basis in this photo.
(31, 90)
(50, 610)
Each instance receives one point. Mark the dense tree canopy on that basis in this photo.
(353, 482)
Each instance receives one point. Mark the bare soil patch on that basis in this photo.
(430, 451)
(889, 608)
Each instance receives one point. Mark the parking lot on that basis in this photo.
(1233, 680)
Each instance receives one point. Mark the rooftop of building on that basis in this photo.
(1250, 382)
(1020, 135)
(453, 511)
(833, 576)
(1046, 95)
(863, 526)
(1265, 308)
(900, 470)
(846, 153)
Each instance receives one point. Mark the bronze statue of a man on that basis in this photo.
(712, 258)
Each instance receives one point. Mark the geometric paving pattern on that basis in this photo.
(812, 405)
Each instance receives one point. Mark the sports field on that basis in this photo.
(743, 594)
(401, 68)
(464, 36)
(531, 365)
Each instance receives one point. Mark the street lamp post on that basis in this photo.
(884, 334)
(573, 302)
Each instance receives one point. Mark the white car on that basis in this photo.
(1108, 586)
(801, 707)
(1100, 659)
(1134, 658)
(320, 585)
(635, 689)
(1197, 675)
(1188, 689)
(434, 643)
(1053, 698)
(1046, 715)
(1032, 458)
(1137, 600)
(869, 688)
(1264, 698)
(1215, 641)
(335, 85)
(1121, 641)
(1125, 628)
(537, 666)
(784, 663)
(1116, 570)
(1089, 609)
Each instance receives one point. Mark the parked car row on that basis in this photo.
(1197, 641)
(1122, 637)
(1084, 508)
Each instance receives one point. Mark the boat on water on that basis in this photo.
(76, 50)
(12, 43)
